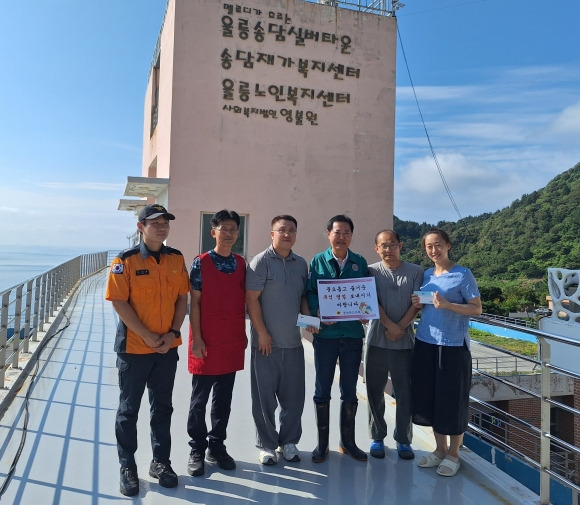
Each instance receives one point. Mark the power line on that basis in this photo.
(447, 189)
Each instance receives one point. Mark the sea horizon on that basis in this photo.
(18, 264)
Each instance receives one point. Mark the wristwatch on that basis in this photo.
(177, 333)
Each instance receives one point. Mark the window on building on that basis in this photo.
(155, 92)
(208, 242)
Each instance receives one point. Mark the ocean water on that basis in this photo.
(20, 263)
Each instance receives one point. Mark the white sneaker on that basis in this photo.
(268, 457)
(290, 452)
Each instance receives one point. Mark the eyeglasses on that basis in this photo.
(392, 245)
(345, 234)
(229, 231)
(286, 231)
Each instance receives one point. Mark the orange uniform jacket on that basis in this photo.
(152, 290)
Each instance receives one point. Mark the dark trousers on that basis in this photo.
(157, 373)
(348, 353)
(221, 402)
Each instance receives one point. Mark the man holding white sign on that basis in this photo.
(341, 340)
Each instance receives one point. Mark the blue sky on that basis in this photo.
(498, 85)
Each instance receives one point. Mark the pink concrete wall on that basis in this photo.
(261, 167)
(157, 147)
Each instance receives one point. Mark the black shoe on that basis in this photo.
(222, 458)
(129, 481)
(163, 471)
(196, 464)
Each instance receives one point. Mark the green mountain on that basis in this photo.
(515, 245)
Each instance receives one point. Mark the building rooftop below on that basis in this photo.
(69, 452)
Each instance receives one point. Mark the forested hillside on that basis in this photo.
(509, 251)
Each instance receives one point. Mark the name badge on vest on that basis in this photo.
(142, 272)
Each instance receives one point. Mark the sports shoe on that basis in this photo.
(405, 451)
(196, 463)
(377, 449)
(290, 452)
(222, 459)
(163, 471)
(129, 481)
(268, 457)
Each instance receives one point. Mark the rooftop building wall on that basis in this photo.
(271, 107)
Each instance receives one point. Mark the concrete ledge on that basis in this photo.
(495, 480)
(15, 379)
(492, 478)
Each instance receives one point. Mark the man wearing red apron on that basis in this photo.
(217, 342)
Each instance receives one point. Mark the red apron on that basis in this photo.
(223, 320)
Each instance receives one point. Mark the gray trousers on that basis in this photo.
(379, 363)
(277, 378)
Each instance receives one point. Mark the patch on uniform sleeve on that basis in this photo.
(117, 268)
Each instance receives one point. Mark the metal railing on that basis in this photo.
(381, 7)
(28, 307)
(529, 323)
(500, 365)
(553, 457)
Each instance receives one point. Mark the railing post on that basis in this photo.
(35, 318)
(43, 301)
(48, 287)
(27, 316)
(54, 282)
(3, 335)
(545, 358)
(16, 334)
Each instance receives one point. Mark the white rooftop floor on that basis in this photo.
(69, 456)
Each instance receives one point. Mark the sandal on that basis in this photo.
(429, 461)
(448, 468)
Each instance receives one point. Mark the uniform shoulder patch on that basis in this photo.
(172, 250)
(117, 268)
(127, 253)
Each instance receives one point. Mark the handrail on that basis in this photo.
(519, 322)
(28, 306)
(546, 439)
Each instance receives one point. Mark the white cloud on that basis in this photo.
(568, 121)
(476, 185)
(495, 141)
(437, 93)
(83, 186)
(9, 210)
(74, 219)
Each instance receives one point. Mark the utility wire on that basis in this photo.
(447, 189)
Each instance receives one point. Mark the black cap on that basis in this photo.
(154, 210)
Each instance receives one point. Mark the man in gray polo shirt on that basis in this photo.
(275, 283)
(390, 343)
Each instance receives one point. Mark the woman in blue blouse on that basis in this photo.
(441, 376)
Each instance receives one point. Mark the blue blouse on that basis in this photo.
(443, 326)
